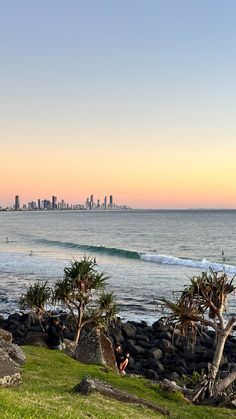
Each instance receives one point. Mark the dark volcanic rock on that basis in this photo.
(128, 329)
(142, 338)
(151, 374)
(36, 339)
(156, 353)
(116, 334)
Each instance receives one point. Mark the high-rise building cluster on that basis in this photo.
(105, 205)
(54, 204)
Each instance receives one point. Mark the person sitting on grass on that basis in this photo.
(55, 334)
(122, 358)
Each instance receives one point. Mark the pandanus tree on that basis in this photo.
(83, 291)
(35, 298)
(204, 303)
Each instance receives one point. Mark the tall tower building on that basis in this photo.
(91, 203)
(54, 202)
(105, 202)
(111, 202)
(17, 203)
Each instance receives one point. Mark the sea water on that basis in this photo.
(146, 254)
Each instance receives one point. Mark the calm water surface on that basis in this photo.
(147, 254)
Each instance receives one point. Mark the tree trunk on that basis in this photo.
(79, 324)
(222, 337)
(224, 384)
(90, 385)
(208, 388)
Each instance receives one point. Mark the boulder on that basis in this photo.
(156, 366)
(128, 329)
(165, 334)
(95, 348)
(13, 351)
(9, 372)
(159, 326)
(5, 335)
(132, 347)
(69, 348)
(36, 339)
(141, 338)
(139, 350)
(232, 367)
(144, 345)
(166, 345)
(156, 353)
(116, 334)
(151, 374)
(14, 317)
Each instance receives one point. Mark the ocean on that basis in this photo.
(146, 254)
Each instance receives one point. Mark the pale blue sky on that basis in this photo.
(107, 75)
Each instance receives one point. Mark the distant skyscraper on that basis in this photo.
(111, 202)
(54, 202)
(91, 202)
(46, 204)
(39, 204)
(17, 203)
(105, 203)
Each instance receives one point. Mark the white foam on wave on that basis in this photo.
(191, 263)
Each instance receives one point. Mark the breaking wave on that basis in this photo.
(154, 258)
(112, 251)
(191, 263)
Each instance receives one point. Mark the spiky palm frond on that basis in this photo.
(63, 290)
(84, 275)
(106, 300)
(183, 315)
(82, 290)
(204, 299)
(36, 296)
(210, 291)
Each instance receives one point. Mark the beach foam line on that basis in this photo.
(191, 263)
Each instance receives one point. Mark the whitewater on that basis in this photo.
(146, 254)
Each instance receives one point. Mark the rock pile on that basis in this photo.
(27, 330)
(157, 351)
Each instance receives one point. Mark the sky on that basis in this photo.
(130, 98)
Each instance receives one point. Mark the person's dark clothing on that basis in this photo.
(120, 357)
(55, 336)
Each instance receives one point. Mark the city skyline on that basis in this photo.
(133, 97)
(91, 203)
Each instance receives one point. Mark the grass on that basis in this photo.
(46, 392)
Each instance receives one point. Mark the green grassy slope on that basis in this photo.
(49, 376)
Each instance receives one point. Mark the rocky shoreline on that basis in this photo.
(156, 352)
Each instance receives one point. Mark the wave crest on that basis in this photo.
(154, 258)
(112, 251)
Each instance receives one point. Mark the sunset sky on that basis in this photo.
(134, 98)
